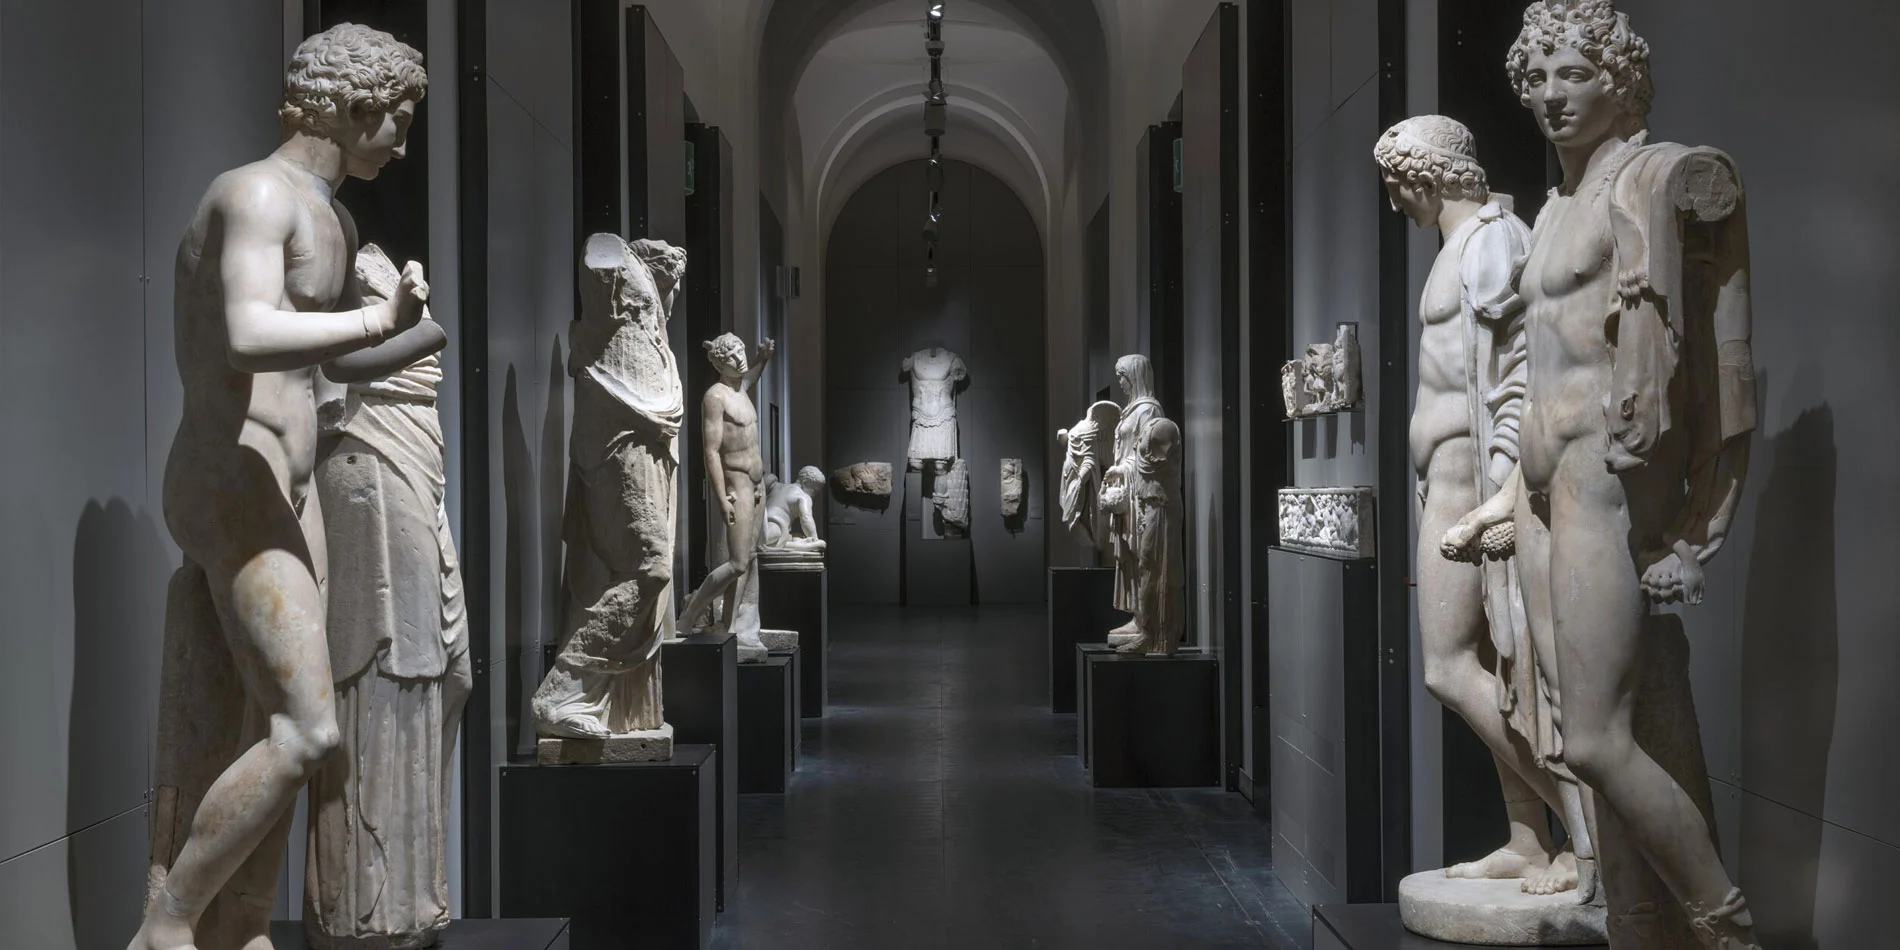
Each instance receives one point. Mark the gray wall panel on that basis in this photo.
(79, 550)
(82, 891)
(988, 308)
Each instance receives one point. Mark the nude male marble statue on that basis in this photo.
(623, 465)
(265, 297)
(790, 525)
(1141, 492)
(1634, 445)
(1464, 440)
(734, 468)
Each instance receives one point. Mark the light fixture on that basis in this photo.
(936, 116)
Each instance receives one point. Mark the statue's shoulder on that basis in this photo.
(1700, 181)
(257, 192)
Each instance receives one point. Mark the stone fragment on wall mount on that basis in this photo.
(863, 480)
(1334, 522)
(1012, 488)
(1326, 379)
(950, 493)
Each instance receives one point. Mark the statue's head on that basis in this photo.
(811, 480)
(357, 87)
(1426, 161)
(666, 263)
(1581, 70)
(1136, 375)
(727, 354)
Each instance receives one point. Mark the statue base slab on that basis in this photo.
(779, 640)
(642, 745)
(784, 560)
(1496, 913)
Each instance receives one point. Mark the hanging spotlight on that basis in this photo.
(936, 115)
(936, 110)
(933, 226)
(933, 173)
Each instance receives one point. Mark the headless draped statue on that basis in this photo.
(623, 459)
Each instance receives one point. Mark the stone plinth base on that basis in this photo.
(792, 560)
(645, 745)
(1495, 913)
(779, 639)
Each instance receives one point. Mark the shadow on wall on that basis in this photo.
(1790, 675)
(119, 567)
(515, 468)
(551, 525)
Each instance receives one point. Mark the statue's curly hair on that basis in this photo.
(349, 68)
(1436, 151)
(1595, 29)
(726, 348)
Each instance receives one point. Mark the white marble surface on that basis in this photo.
(1336, 522)
(934, 374)
(640, 745)
(863, 479)
(1495, 913)
(1141, 496)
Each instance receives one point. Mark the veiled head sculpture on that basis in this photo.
(1426, 161)
(1136, 375)
(1581, 70)
(358, 87)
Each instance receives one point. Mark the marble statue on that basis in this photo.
(791, 530)
(601, 700)
(1464, 440)
(950, 496)
(729, 425)
(1326, 378)
(1088, 451)
(398, 634)
(1013, 482)
(1334, 522)
(934, 375)
(1634, 444)
(864, 480)
(265, 296)
(1141, 494)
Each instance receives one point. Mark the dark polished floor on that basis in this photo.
(939, 804)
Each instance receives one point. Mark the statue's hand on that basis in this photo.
(1676, 576)
(1460, 543)
(766, 349)
(731, 502)
(408, 307)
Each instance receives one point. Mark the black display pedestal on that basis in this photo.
(797, 656)
(1153, 721)
(626, 850)
(767, 721)
(796, 600)
(699, 682)
(1081, 610)
(1081, 689)
(1373, 927)
(519, 934)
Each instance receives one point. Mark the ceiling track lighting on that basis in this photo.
(936, 117)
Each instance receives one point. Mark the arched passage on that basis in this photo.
(987, 307)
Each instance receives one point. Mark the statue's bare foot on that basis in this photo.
(1139, 644)
(1125, 634)
(1559, 877)
(162, 931)
(1500, 865)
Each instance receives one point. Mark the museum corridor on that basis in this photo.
(940, 804)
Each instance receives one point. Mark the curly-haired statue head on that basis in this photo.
(1582, 70)
(727, 354)
(1426, 161)
(358, 87)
